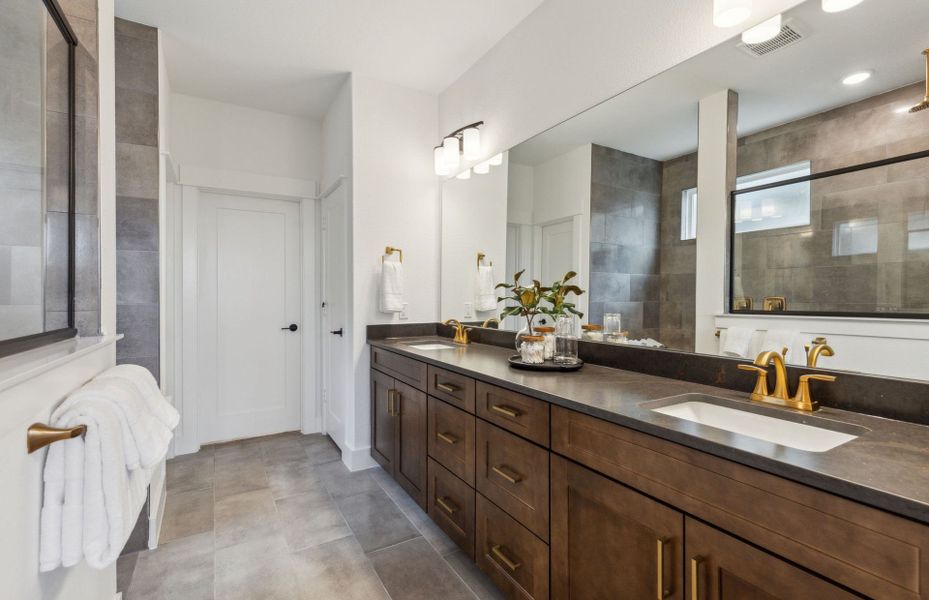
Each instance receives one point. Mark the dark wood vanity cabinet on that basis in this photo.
(554, 503)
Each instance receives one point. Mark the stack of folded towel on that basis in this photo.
(391, 292)
(95, 486)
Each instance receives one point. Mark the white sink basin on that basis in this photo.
(770, 429)
(432, 346)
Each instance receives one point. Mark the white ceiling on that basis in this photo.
(658, 118)
(290, 56)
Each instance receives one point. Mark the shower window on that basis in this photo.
(774, 208)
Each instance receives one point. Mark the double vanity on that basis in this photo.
(609, 483)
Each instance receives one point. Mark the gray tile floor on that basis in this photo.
(280, 517)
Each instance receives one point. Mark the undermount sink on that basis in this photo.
(432, 346)
(729, 416)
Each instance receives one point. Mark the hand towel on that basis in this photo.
(486, 294)
(391, 300)
(778, 339)
(738, 341)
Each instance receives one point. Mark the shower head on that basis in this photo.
(925, 103)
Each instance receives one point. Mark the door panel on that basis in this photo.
(383, 425)
(609, 542)
(720, 567)
(559, 250)
(335, 269)
(410, 468)
(248, 290)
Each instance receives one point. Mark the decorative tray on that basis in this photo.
(516, 362)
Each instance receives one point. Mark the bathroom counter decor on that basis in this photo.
(516, 362)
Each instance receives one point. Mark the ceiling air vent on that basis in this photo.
(787, 37)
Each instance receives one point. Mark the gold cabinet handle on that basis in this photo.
(447, 438)
(448, 388)
(505, 410)
(662, 588)
(508, 562)
(507, 473)
(390, 402)
(397, 406)
(696, 566)
(446, 504)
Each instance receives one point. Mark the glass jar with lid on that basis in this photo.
(532, 349)
(548, 333)
(592, 333)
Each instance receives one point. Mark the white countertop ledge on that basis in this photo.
(21, 367)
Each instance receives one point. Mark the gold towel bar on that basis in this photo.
(39, 435)
(390, 250)
(480, 258)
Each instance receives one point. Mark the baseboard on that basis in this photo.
(357, 459)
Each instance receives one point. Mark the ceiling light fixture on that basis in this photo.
(856, 78)
(834, 6)
(763, 32)
(482, 168)
(466, 141)
(496, 160)
(466, 174)
(729, 13)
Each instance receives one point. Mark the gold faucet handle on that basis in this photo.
(817, 377)
(761, 383)
(804, 400)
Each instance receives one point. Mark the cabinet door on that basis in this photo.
(410, 464)
(383, 426)
(609, 542)
(720, 567)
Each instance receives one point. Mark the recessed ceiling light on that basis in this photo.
(902, 110)
(834, 6)
(729, 13)
(763, 31)
(856, 78)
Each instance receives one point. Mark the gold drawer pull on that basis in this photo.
(505, 410)
(696, 568)
(448, 388)
(508, 562)
(447, 438)
(446, 504)
(507, 473)
(663, 590)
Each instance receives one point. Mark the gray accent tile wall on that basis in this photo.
(137, 185)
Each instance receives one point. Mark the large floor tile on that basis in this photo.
(187, 513)
(244, 516)
(340, 482)
(290, 479)
(125, 568)
(479, 583)
(179, 570)
(248, 477)
(375, 520)
(311, 519)
(259, 568)
(413, 570)
(189, 472)
(338, 570)
(320, 450)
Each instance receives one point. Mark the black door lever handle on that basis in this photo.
(291, 327)
(338, 332)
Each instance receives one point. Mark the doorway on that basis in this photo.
(334, 342)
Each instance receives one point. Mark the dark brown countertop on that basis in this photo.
(886, 467)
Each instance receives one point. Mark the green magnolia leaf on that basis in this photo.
(518, 275)
(568, 276)
(573, 289)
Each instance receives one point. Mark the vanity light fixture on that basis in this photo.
(856, 78)
(482, 168)
(466, 174)
(466, 141)
(763, 32)
(834, 6)
(496, 160)
(729, 13)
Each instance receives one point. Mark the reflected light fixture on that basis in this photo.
(466, 174)
(466, 141)
(834, 6)
(925, 103)
(440, 168)
(471, 143)
(451, 153)
(729, 13)
(763, 32)
(482, 168)
(856, 78)
(496, 160)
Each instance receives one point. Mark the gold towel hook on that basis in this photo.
(40, 435)
(480, 259)
(390, 250)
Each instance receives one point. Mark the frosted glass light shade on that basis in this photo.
(466, 174)
(440, 168)
(482, 168)
(729, 13)
(450, 150)
(763, 32)
(856, 78)
(471, 138)
(496, 160)
(832, 6)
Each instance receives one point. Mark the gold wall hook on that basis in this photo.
(40, 435)
(480, 259)
(390, 250)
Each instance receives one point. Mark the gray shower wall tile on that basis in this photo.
(136, 277)
(136, 224)
(140, 325)
(136, 170)
(86, 185)
(21, 224)
(137, 64)
(136, 30)
(610, 287)
(136, 117)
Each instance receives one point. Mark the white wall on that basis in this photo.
(394, 203)
(561, 186)
(215, 135)
(519, 194)
(571, 54)
(474, 218)
(337, 137)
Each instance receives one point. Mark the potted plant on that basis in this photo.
(556, 296)
(527, 301)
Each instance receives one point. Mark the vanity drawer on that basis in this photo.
(454, 388)
(520, 414)
(513, 473)
(405, 369)
(451, 506)
(512, 557)
(451, 439)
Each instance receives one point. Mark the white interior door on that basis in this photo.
(334, 346)
(248, 295)
(558, 250)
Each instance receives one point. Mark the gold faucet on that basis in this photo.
(781, 394)
(461, 332)
(491, 320)
(820, 348)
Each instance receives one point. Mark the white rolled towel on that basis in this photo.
(486, 294)
(738, 341)
(391, 300)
